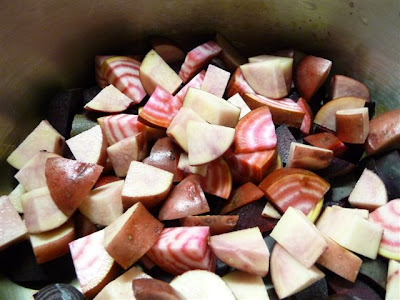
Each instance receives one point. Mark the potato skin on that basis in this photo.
(135, 237)
(384, 132)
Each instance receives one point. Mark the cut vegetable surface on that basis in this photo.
(255, 132)
(109, 100)
(180, 249)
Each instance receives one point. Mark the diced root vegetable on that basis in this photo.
(241, 196)
(341, 86)
(215, 80)
(197, 58)
(387, 217)
(245, 285)
(180, 249)
(255, 132)
(218, 180)
(352, 125)
(149, 288)
(308, 157)
(109, 100)
(393, 279)
(211, 287)
(218, 224)
(238, 85)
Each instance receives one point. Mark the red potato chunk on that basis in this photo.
(149, 288)
(130, 236)
(352, 125)
(180, 249)
(308, 157)
(341, 86)
(69, 181)
(52, 244)
(12, 228)
(169, 51)
(327, 140)
(140, 185)
(187, 198)
(241, 196)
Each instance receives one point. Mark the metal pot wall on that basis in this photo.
(49, 45)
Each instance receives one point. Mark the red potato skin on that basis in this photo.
(165, 155)
(342, 86)
(149, 288)
(218, 224)
(306, 125)
(351, 128)
(69, 181)
(327, 140)
(243, 195)
(311, 73)
(311, 159)
(103, 180)
(167, 49)
(135, 237)
(384, 132)
(83, 226)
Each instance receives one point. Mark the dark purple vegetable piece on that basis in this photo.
(371, 108)
(353, 153)
(388, 169)
(59, 291)
(250, 216)
(62, 108)
(341, 186)
(19, 264)
(358, 290)
(81, 123)
(374, 271)
(317, 291)
(284, 139)
(338, 167)
(318, 129)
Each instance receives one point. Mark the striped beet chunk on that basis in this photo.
(294, 187)
(251, 166)
(197, 58)
(195, 83)
(94, 267)
(388, 217)
(161, 108)
(180, 249)
(98, 62)
(218, 180)
(123, 73)
(237, 84)
(120, 126)
(255, 132)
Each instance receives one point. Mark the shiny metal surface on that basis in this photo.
(48, 45)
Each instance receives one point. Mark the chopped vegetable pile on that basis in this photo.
(230, 178)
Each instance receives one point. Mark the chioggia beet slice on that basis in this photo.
(252, 166)
(94, 267)
(32, 175)
(244, 250)
(218, 181)
(211, 287)
(215, 80)
(393, 280)
(160, 109)
(255, 132)
(195, 82)
(123, 73)
(180, 249)
(288, 275)
(238, 85)
(120, 126)
(98, 61)
(388, 217)
(299, 188)
(70, 181)
(197, 58)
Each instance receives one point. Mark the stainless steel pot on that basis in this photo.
(48, 45)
